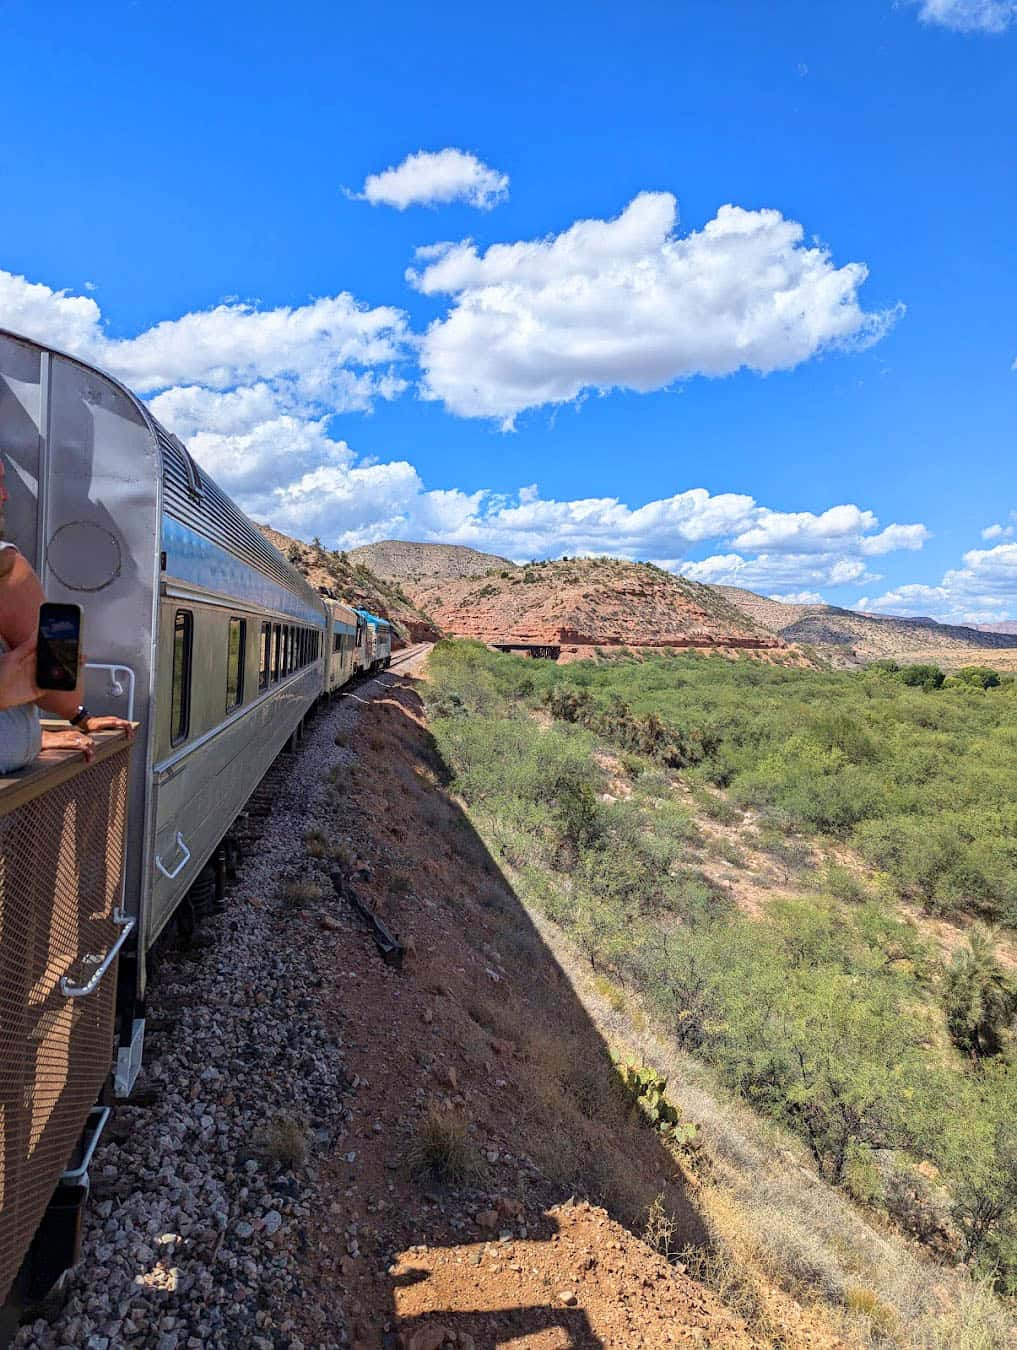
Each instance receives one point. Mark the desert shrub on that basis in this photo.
(979, 999)
(922, 676)
(981, 677)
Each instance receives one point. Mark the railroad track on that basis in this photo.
(407, 654)
(252, 821)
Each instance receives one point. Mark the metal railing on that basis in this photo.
(62, 841)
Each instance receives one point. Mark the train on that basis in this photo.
(195, 627)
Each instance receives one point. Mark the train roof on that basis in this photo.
(191, 496)
(372, 618)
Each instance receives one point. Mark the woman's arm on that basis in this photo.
(21, 594)
(17, 676)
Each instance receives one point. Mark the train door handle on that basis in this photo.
(69, 989)
(185, 859)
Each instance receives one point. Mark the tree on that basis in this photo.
(980, 1001)
(981, 677)
(979, 1148)
(922, 676)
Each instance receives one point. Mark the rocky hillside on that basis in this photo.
(851, 638)
(352, 581)
(402, 561)
(585, 603)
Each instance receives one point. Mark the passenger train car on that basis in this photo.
(195, 626)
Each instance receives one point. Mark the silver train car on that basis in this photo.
(374, 642)
(194, 625)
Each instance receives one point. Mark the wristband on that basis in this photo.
(80, 716)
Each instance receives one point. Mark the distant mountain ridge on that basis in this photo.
(581, 604)
(400, 560)
(869, 636)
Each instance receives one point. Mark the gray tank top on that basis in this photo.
(20, 733)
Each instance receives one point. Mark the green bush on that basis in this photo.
(922, 676)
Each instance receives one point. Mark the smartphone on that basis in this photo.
(59, 646)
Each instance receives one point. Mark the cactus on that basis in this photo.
(646, 1089)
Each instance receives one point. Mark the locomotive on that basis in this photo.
(195, 627)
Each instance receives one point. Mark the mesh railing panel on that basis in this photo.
(61, 865)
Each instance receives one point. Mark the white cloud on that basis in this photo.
(970, 16)
(894, 537)
(253, 392)
(775, 571)
(983, 590)
(1001, 531)
(332, 350)
(800, 598)
(628, 303)
(429, 178)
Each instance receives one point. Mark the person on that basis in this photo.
(21, 736)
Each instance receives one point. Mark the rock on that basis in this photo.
(330, 924)
(427, 1338)
(567, 1297)
(272, 1221)
(243, 1229)
(488, 1219)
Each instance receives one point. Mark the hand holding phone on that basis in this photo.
(58, 649)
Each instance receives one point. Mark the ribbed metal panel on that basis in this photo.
(211, 513)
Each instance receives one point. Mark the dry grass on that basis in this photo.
(284, 1141)
(302, 892)
(440, 1149)
(316, 844)
(661, 1229)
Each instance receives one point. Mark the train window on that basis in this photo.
(276, 651)
(288, 649)
(180, 704)
(264, 655)
(235, 651)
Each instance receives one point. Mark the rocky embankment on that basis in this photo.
(352, 581)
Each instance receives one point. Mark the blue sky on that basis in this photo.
(778, 353)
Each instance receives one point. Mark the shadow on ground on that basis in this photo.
(483, 1027)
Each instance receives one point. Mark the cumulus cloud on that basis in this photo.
(982, 590)
(332, 350)
(998, 531)
(431, 178)
(781, 572)
(970, 16)
(628, 303)
(800, 598)
(253, 393)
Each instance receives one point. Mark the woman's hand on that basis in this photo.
(94, 724)
(17, 676)
(71, 739)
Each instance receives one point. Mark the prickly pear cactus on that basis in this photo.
(645, 1088)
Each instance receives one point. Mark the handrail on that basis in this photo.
(125, 922)
(171, 876)
(53, 767)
